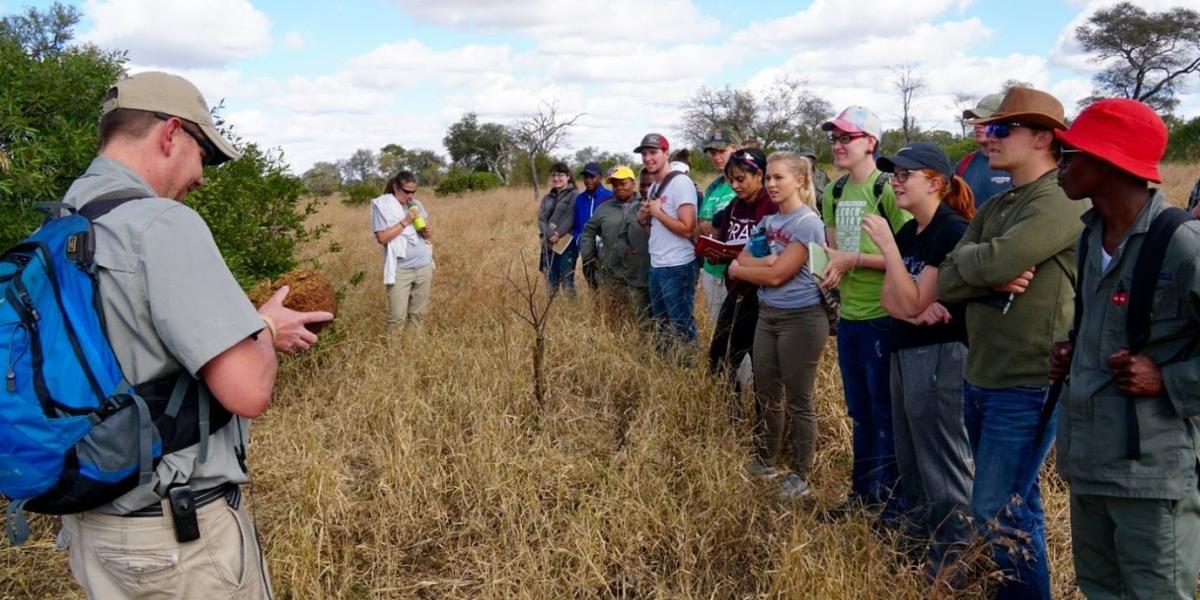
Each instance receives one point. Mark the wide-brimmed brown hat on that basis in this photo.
(1027, 105)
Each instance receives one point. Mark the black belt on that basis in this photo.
(229, 492)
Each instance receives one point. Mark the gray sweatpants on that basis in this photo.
(932, 451)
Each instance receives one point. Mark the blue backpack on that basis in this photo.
(74, 435)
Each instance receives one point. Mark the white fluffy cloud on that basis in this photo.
(403, 63)
(661, 21)
(179, 33)
(837, 21)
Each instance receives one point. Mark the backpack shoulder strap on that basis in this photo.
(1080, 262)
(665, 182)
(1145, 275)
(961, 169)
(839, 186)
(1141, 304)
(877, 191)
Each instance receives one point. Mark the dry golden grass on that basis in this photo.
(419, 466)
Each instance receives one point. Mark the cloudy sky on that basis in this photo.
(321, 79)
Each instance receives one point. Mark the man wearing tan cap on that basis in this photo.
(984, 181)
(174, 311)
(1014, 267)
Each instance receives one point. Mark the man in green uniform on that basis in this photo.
(1135, 506)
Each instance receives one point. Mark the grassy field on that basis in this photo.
(421, 466)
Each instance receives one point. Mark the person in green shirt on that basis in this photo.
(1014, 267)
(1135, 519)
(719, 147)
(856, 270)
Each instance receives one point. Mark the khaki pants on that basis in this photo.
(787, 348)
(115, 558)
(408, 298)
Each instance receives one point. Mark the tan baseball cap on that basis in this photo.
(158, 92)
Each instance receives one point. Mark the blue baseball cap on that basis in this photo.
(919, 155)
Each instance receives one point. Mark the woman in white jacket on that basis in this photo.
(399, 223)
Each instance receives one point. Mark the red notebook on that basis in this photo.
(706, 243)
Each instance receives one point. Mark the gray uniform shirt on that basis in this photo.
(170, 303)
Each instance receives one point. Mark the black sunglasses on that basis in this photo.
(1003, 130)
(409, 192)
(210, 151)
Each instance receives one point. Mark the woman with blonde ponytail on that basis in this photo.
(928, 346)
(792, 326)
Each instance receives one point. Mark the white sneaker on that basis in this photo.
(758, 469)
(793, 487)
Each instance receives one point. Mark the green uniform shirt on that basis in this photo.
(1031, 225)
(860, 288)
(1091, 422)
(717, 196)
(600, 241)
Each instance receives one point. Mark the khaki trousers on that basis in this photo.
(408, 298)
(116, 558)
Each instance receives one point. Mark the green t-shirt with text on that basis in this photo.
(860, 288)
(717, 196)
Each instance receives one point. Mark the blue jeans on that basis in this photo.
(1002, 426)
(561, 270)
(672, 300)
(864, 357)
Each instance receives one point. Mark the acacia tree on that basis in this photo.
(1147, 56)
(480, 147)
(786, 115)
(541, 133)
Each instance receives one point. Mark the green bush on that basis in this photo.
(49, 106)
(358, 194)
(257, 214)
(1184, 143)
(957, 149)
(461, 183)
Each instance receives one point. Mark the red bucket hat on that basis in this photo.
(1125, 133)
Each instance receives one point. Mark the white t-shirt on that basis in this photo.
(666, 248)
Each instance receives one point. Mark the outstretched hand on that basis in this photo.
(291, 335)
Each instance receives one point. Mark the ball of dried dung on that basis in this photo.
(309, 291)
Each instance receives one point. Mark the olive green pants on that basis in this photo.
(1136, 547)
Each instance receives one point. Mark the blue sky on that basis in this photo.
(321, 79)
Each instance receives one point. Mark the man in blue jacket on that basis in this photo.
(593, 195)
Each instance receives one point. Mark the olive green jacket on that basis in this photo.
(601, 241)
(1091, 419)
(633, 245)
(1031, 225)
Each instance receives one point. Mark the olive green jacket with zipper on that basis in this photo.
(1092, 421)
(1033, 225)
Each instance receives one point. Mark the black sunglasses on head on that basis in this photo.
(210, 151)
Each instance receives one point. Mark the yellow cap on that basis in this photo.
(620, 172)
